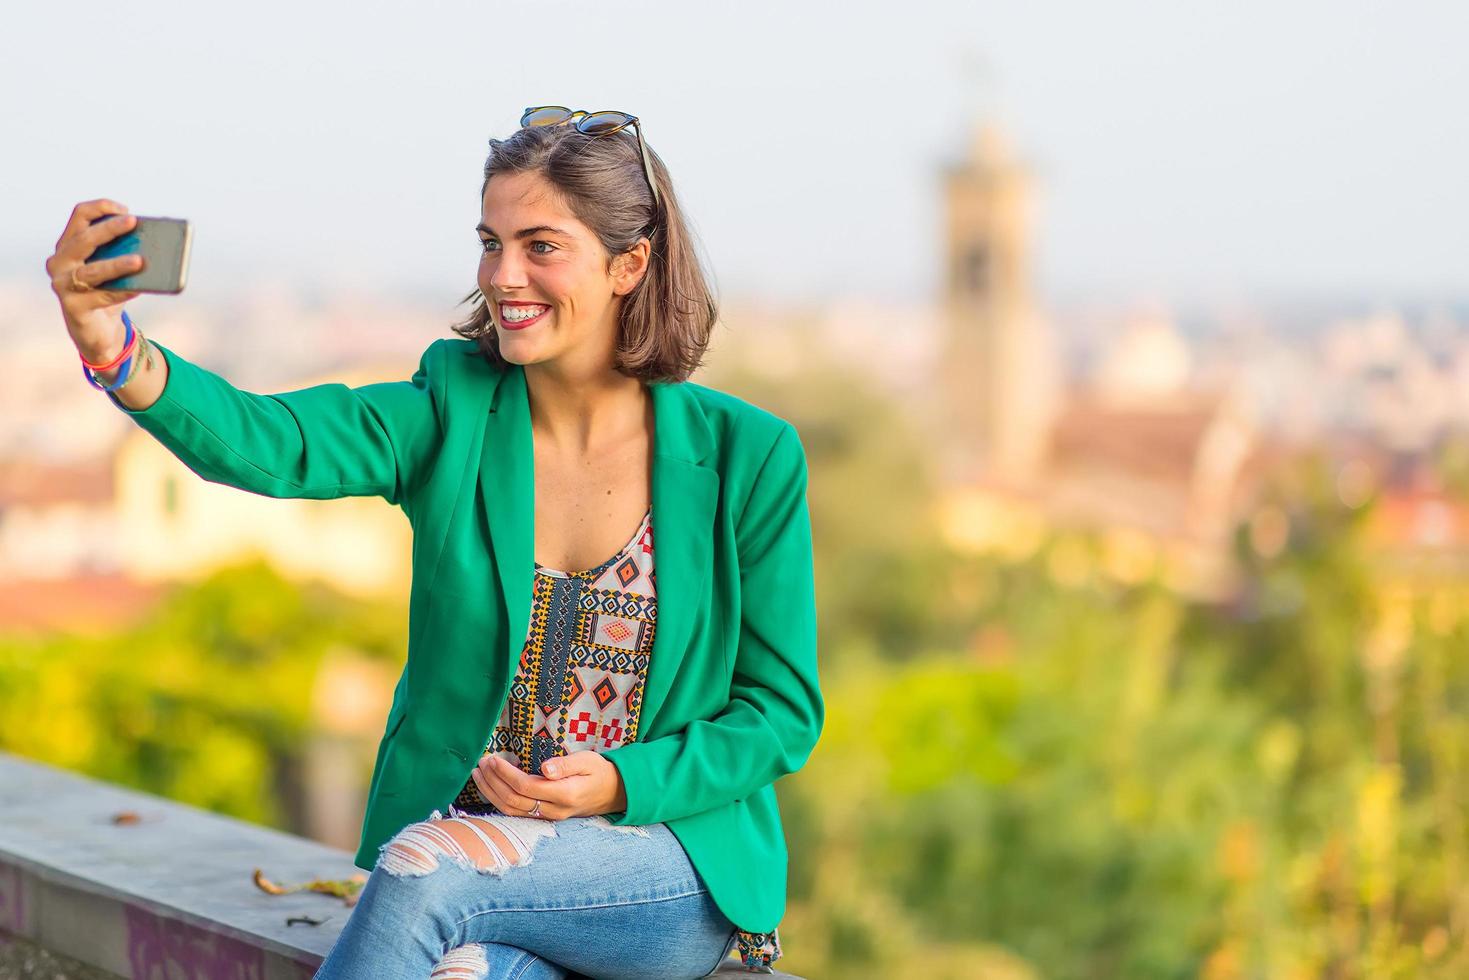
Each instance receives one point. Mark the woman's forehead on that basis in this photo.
(521, 194)
(516, 209)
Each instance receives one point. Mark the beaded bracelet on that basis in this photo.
(128, 358)
(145, 348)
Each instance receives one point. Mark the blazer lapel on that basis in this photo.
(685, 496)
(507, 495)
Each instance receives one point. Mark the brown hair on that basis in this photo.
(666, 320)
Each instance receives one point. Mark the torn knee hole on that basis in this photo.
(467, 962)
(485, 843)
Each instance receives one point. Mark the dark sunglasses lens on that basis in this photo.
(545, 116)
(601, 123)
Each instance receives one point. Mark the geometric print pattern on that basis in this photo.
(758, 949)
(579, 684)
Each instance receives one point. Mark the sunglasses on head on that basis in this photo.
(601, 123)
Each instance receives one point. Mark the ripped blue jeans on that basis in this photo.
(489, 896)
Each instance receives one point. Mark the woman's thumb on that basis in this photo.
(566, 765)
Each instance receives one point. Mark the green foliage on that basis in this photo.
(1115, 782)
(207, 701)
(881, 567)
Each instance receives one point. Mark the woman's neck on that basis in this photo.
(580, 415)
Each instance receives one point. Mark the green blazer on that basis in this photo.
(732, 701)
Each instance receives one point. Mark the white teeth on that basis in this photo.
(517, 313)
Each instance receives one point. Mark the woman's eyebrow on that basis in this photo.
(524, 232)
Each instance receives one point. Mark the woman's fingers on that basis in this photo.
(504, 794)
(83, 214)
(75, 249)
(85, 242)
(93, 273)
(521, 785)
(483, 787)
(81, 239)
(65, 276)
(505, 797)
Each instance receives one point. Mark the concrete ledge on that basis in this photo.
(170, 895)
(21, 959)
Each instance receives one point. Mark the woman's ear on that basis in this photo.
(629, 268)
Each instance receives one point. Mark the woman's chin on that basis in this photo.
(519, 350)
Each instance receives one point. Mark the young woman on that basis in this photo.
(576, 775)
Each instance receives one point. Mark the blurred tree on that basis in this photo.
(882, 567)
(206, 701)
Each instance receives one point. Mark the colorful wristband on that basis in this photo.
(127, 323)
(144, 354)
(128, 359)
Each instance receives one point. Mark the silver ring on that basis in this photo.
(535, 811)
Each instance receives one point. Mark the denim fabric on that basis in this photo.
(591, 900)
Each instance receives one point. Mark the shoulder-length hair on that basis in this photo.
(667, 318)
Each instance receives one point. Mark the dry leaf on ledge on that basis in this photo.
(346, 889)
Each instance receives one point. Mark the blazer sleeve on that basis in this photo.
(775, 712)
(320, 442)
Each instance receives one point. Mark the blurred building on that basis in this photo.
(1417, 529)
(1420, 534)
(1134, 453)
(57, 524)
(137, 515)
(174, 526)
(998, 368)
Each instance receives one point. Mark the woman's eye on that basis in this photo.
(485, 243)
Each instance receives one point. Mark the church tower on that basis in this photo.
(998, 368)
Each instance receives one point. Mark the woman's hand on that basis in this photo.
(93, 316)
(581, 784)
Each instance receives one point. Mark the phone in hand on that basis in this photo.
(163, 243)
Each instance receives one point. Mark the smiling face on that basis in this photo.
(545, 276)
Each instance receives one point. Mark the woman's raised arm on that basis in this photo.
(320, 442)
(324, 441)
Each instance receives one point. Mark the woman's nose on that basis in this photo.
(509, 273)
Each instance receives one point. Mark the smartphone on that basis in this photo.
(163, 242)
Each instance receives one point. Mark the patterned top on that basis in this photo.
(579, 685)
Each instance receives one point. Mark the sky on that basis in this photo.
(1190, 152)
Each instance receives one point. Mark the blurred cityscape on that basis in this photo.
(1123, 420)
(1068, 459)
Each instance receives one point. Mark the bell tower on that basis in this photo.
(998, 369)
